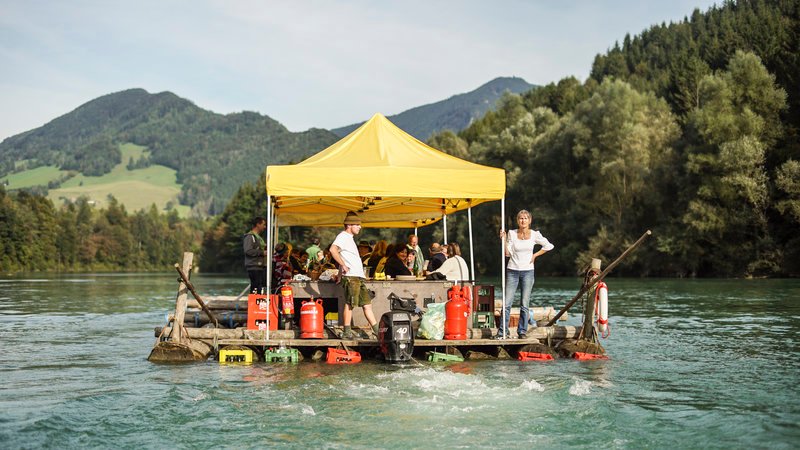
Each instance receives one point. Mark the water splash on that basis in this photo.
(532, 385)
(580, 387)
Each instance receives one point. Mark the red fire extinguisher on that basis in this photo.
(287, 303)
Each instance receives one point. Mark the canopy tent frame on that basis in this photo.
(367, 172)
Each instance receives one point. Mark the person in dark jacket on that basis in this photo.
(396, 263)
(255, 253)
(437, 257)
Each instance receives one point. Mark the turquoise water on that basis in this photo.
(694, 364)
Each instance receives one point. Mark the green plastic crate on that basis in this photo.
(443, 357)
(282, 355)
(483, 319)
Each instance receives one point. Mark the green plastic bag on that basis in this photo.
(432, 324)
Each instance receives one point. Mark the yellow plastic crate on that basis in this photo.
(332, 318)
(236, 356)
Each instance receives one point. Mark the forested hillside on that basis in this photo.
(454, 113)
(213, 154)
(688, 129)
(37, 236)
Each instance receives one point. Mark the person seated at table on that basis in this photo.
(327, 259)
(454, 268)
(378, 253)
(364, 251)
(314, 248)
(303, 260)
(437, 257)
(281, 270)
(396, 264)
(294, 260)
(411, 257)
(381, 267)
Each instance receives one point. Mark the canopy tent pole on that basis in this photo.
(269, 258)
(503, 260)
(444, 216)
(471, 246)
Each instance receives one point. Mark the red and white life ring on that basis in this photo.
(601, 309)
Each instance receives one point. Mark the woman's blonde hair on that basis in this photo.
(525, 213)
(453, 249)
(380, 248)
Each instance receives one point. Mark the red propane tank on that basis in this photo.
(456, 314)
(311, 318)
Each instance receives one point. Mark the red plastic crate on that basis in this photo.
(337, 356)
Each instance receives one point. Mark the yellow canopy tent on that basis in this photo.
(387, 176)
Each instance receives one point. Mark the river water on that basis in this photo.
(694, 364)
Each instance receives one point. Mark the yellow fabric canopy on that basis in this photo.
(387, 176)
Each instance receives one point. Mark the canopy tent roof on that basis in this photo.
(387, 176)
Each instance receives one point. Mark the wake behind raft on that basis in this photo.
(254, 328)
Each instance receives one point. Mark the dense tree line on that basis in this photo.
(37, 236)
(689, 129)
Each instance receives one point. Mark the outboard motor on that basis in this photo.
(396, 336)
(402, 304)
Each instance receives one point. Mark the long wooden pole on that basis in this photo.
(586, 286)
(180, 301)
(196, 296)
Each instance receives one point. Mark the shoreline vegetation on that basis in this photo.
(689, 129)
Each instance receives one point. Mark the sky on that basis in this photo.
(306, 64)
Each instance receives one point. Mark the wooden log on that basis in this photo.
(186, 351)
(567, 349)
(220, 302)
(180, 301)
(537, 348)
(227, 319)
(474, 355)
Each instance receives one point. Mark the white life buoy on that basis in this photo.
(601, 308)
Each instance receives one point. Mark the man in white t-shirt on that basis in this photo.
(345, 252)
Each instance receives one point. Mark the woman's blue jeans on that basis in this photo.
(524, 280)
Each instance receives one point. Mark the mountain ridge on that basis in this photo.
(454, 113)
(213, 154)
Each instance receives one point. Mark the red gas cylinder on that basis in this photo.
(311, 320)
(466, 292)
(456, 314)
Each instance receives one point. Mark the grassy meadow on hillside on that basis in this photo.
(136, 189)
(39, 176)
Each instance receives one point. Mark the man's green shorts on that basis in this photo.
(355, 292)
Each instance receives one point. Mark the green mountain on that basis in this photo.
(213, 154)
(455, 113)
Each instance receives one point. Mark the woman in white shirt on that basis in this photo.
(454, 267)
(520, 244)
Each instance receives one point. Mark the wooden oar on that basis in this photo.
(196, 296)
(586, 287)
